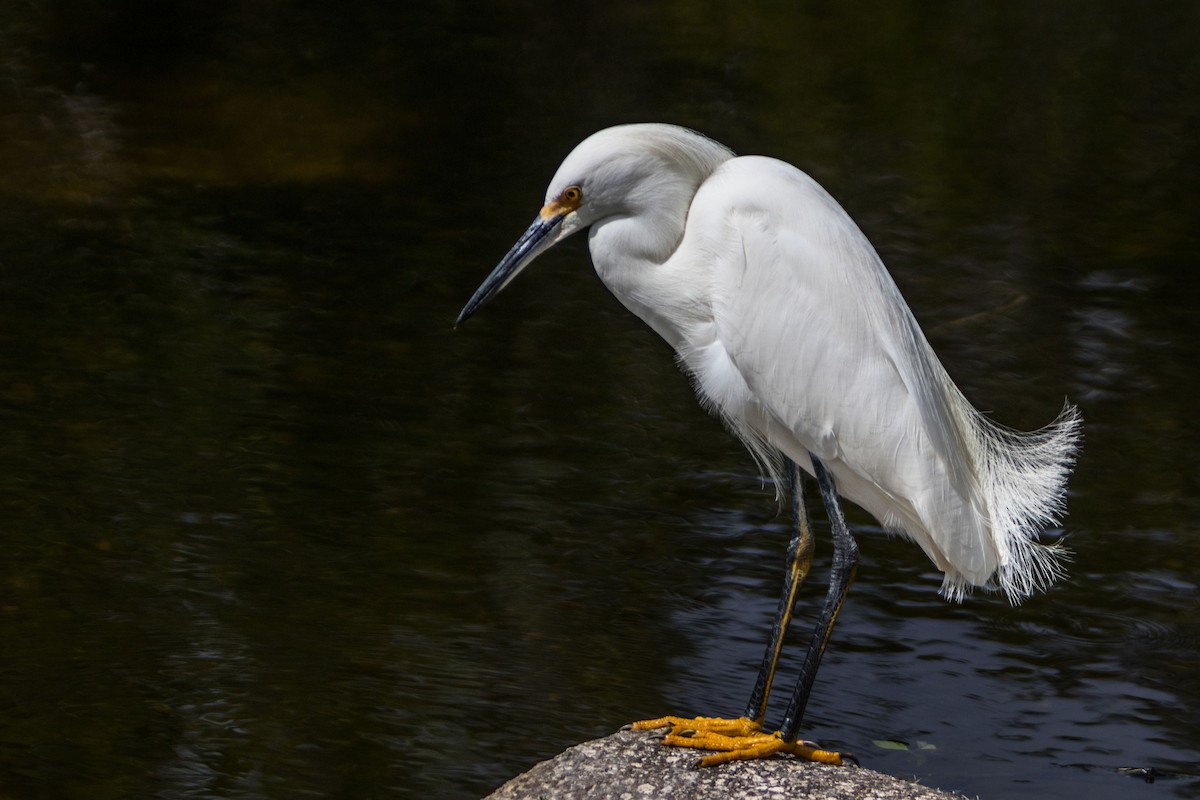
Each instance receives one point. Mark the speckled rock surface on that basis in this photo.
(634, 766)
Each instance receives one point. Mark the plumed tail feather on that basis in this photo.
(1022, 477)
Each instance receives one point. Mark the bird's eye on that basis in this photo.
(573, 195)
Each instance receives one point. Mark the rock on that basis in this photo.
(633, 765)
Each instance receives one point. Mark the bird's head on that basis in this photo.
(622, 171)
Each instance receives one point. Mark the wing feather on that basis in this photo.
(812, 349)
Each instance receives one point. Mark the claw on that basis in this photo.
(735, 740)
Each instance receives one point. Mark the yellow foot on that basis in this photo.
(733, 740)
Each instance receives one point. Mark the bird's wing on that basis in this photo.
(807, 314)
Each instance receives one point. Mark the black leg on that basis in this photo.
(743, 738)
(799, 559)
(845, 561)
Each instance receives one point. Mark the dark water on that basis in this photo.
(271, 528)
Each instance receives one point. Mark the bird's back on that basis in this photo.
(808, 347)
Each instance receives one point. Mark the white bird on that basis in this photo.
(793, 331)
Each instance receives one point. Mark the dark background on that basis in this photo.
(272, 528)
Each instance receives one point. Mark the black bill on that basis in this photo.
(536, 239)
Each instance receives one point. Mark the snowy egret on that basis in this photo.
(795, 334)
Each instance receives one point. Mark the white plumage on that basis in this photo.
(795, 333)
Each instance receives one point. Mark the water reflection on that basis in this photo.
(271, 527)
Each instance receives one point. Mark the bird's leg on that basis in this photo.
(742, 738)
(799, 560)
(845, 562)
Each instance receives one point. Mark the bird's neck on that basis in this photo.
(647, 226)
(648, 238)
(632, 254)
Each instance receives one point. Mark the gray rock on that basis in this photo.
(633, 765)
